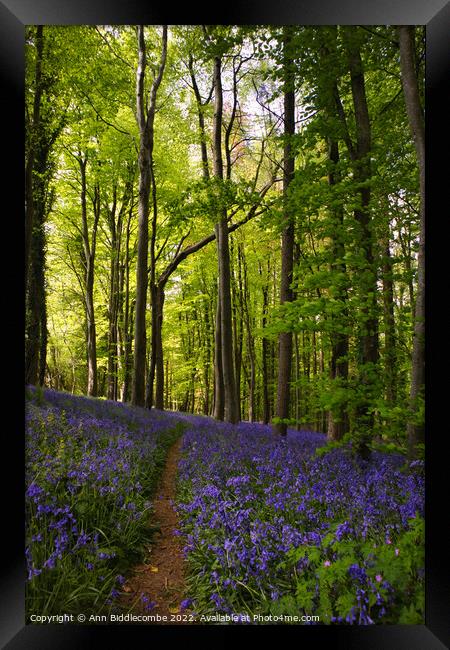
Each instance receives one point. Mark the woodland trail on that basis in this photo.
(161, 580)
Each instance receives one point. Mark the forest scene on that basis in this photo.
(225, 324)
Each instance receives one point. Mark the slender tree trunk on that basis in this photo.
(114, 294)
(168, 398)
(36, 322)
(287, 242)
(265, 351)
(231, 411)
(92, 389)
(159, 395)
(157, 360)
(43, 368)
(128, 314)
(338, 421)
(149, 392)
(368, 336)
(89, 245)
(120, 331)
(128, 359)
(415, 429)
(297, 383)
(201, 120)
(137, 397)
(238, 310)
(406, 250)
(390, 354)
(32, 331)
(146, 178)
(272, 360)
(250, 340)
(226, 331)
(219, 403)
(207, 363)
(205, 170)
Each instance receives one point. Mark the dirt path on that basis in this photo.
(161, 580)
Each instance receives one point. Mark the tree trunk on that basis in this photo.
(297, 383)
(36, 321)
(415, 429)
(137, 397)
(128, 315)
(390, 354)
(149, 391)
(287, 241)
(226, 331)
(207, 362)
(368, 335)
(114, 294)
(238, 311)
(201, 121)
(146, 136)
(219, 398)
(33, 135)
(231, 411)
(245, 292)
(89, 245)
(43, 368)
(159, 394)
(338, 421)
(265, 350)
(41, 133)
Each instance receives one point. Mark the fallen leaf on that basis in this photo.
(174, 610)
(154, 569)
(127, 589)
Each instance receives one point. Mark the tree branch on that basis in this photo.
(172, 266)
(111, 48)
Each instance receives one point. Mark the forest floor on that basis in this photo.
(161, 580)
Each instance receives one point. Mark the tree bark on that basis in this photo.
(231, 411)
(238, 317)
(219, 402)
(338, 421)
(390, 352)
(287, 241)
(146, 136)
(137, 396)
(207, 362)
(201, 120)
(149, 391)
(265, 349)
(113, 306)
(415, 428)
(89, 247)
(36, 320)
(42, 129)
(127, 315)
(159, 394)
(250, 339)
(368, 329)
(33, 135)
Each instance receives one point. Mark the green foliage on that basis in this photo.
(385, 573)
(333, 444)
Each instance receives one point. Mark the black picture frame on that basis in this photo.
(14, 15)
